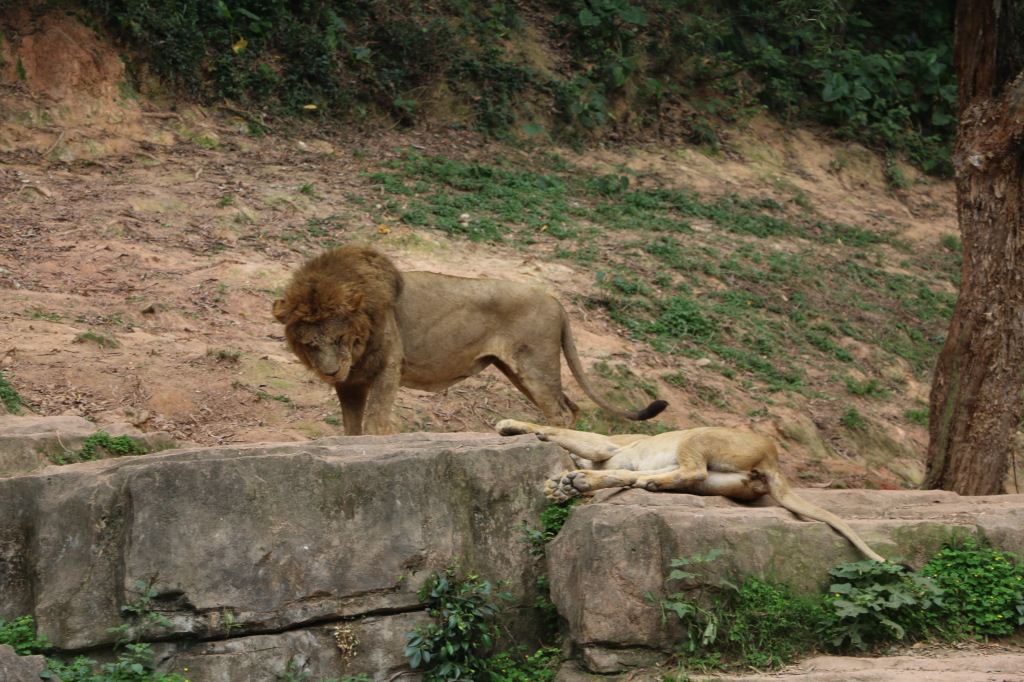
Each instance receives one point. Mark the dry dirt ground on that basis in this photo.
(142, 248)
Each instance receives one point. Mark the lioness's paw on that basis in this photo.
(565, 486)
(511, 427)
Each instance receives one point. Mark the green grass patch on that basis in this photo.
(101, 442)
(730, 294)
(917, 415)
(101, 340)
(8, 396)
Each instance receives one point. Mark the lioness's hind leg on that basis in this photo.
(592, 446)
(692, 470)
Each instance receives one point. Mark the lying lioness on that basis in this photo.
(704, 461)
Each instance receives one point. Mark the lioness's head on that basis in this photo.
(328, 331)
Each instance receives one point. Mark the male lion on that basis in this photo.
(704, 461)
(366, 328)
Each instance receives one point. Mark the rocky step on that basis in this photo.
(240, 561)
(615, 551)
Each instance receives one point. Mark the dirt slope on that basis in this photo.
(142, 247)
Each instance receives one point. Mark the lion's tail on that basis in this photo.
(573, 358)
(779, 489)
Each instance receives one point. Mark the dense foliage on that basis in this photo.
(967, 589)
(880, 72)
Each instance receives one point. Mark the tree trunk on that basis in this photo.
(977, 397)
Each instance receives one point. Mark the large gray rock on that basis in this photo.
(614, 552)
(15, 668)
(282, 542)
(30, 443)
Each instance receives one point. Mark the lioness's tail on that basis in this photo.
(779, 489)
(573, 358)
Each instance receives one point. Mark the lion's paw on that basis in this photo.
(511, 427)
(565, 486)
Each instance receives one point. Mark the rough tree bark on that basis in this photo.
(976, 399)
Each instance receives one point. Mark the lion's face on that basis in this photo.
(329, 347)
(328, 333)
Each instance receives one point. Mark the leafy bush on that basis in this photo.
(879, 72)
(20, 634)
(755, 624)
(965, 590)
(454, 646)
(877, 602)
(984, 589)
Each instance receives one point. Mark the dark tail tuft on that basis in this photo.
(652, 410)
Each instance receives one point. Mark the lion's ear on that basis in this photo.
(281, 311)
(354, 301)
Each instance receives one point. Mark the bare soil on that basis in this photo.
(142, 248)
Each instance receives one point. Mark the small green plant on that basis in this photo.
(225, 355)
(280, 397)
(118, 446)
(984, 589)
(769, 626)
(134, 664)
(140, 613)
(951, 242)
(307, 189)
(20, 634)
(516, 665)
(866, 387)
(8, 396)
(754, 624)
(700, 622)
(877, 602)
(101, 340)
(454, 646)
(917, 415)
(853, 420)
(332, 420)
(37, 314)
(552, 518)
(895, 177)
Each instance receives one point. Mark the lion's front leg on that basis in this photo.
(381, 400)
(569, 484)
(352, 399)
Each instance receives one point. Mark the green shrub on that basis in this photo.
(984, 589)
(769, 625)
(20, 634)
(455, 645)
(755, 624)
(878, 72)
(114, 445)
(879, 602)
